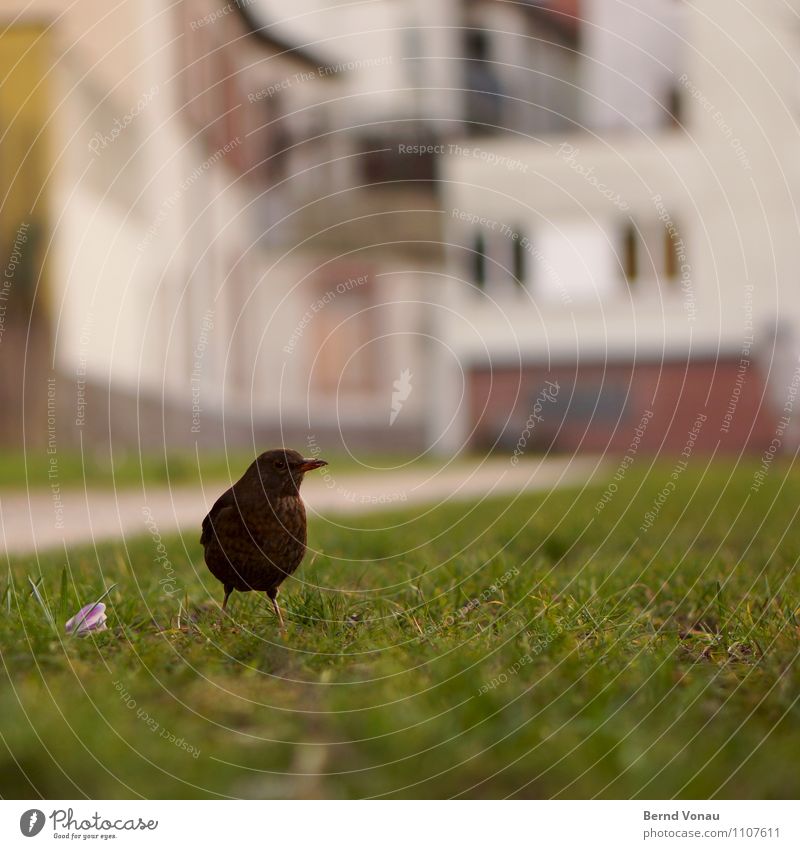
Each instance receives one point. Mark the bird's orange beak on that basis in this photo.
(309, 464)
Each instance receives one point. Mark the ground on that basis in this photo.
(548, 646)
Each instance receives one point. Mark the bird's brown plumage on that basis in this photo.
(254, 536)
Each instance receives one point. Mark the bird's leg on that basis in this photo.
(223, 612)
(272, 596)
(228, 591)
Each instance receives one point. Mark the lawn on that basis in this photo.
(542, 647)
(121, 470)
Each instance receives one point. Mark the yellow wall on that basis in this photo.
(24, 155)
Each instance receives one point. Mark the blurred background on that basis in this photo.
(553, 242)
(391, 226)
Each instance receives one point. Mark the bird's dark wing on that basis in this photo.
(227, 499)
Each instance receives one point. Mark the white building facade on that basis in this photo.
(646, 264)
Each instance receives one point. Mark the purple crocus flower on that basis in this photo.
(91, 617)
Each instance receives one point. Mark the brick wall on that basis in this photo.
(597, 407)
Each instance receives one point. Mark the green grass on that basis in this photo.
(528, 648)
(122, 470)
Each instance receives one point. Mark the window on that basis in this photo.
(479, 261)
(483, 96)
(674, 106)
(654, 253)
(382, 163)
(518, 265)
(277, 141)
(412, 53)
(342, 328)
(671, 247)
(630, 253)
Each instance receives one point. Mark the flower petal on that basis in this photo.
(91, 617)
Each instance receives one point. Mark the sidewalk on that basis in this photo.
(40, 520)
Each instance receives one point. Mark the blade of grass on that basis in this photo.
(7, 593)
(44, 607)
(62, 611)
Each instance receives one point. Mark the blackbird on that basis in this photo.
(254, 536)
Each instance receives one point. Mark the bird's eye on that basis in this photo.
(280, 464)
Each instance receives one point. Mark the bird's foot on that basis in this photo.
(282, 624)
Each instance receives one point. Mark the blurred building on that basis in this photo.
(126, 157)
(643, 263)
(24, 292)
(405, 81)
(185, 210)
(242, 218)
(391, 224)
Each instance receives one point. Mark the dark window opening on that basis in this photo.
(476, 45)
(630, 253)
(519, 265)
(674, 106)
(670, 252)
(484, 94)
(276, 139)
(382, 161)
(479, 261)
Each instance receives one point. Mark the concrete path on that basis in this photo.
(44, 519)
